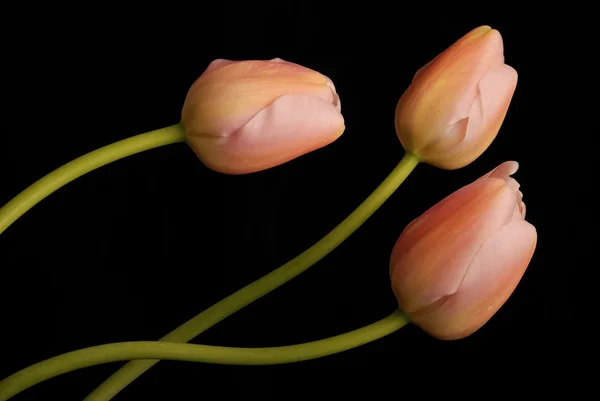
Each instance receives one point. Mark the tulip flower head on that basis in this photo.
(245, 116)
(455, 105)
(457, 264)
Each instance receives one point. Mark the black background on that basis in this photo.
(132, 250)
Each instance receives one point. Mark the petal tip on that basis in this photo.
(504, 170)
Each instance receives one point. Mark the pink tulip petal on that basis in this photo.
(490, 280)
(496, 86)
(433, 265)
(487, 56)
(424, 68)
(469, 136)
(293, 125)
(457, 73)
(230, 94)
(216, 64)
(335, 97)
(456, 103)
(427, 221)
(503, 171)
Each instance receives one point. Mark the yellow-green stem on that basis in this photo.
(213, 315)
(42, 188)
(106, 353)
(173, 134)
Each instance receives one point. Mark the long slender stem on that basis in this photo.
(213, 315)
(106, 353)
(173, 134)
(42, 188)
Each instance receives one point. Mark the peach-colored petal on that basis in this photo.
(469, 37)
(450, 85)
(503, 171)
(427, 221)
(433, 266)
(496, 86)
(291, 126)
(222, 101)
(490, 280)
(336, 99)
(455, 104)
(216, 64)
(478, 59)
(469, 137)
(489, 108)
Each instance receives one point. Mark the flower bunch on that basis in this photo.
(451, 269)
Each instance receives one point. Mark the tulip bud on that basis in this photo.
(245, 116)
(455, 105)
(454, 266)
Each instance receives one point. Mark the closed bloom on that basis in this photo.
(457, 264)
(245, 116)
(455, 105)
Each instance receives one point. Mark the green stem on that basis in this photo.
(173, 134)
(213, 315)
(86, 357)
(41, 189)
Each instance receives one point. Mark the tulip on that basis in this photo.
(455, 105)
(454, 266)
(245, 116)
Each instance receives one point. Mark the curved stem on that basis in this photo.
(173, 134)
(39, 190)
(213, 315)
(86, 357)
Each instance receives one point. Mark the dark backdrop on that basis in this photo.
(136, 248)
